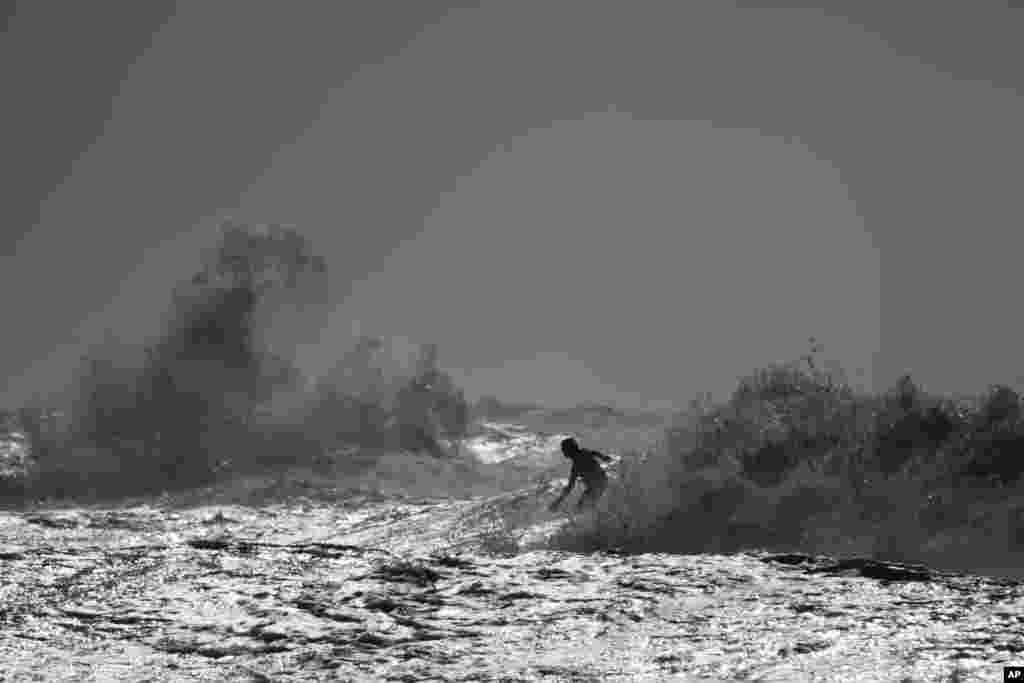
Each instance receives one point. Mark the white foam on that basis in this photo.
(501, 442)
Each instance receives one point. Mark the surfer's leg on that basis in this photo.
(589, 498)
(592, 493)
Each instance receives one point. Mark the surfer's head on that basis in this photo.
(570, 447)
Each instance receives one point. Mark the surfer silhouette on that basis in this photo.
(585, 466)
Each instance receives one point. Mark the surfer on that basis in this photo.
(585, 466)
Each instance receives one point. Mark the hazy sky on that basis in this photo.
(575, 200)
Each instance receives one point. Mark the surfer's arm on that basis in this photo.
(598, 455)
(568, 488)
(572, 480)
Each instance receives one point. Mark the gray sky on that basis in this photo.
(575, 200)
